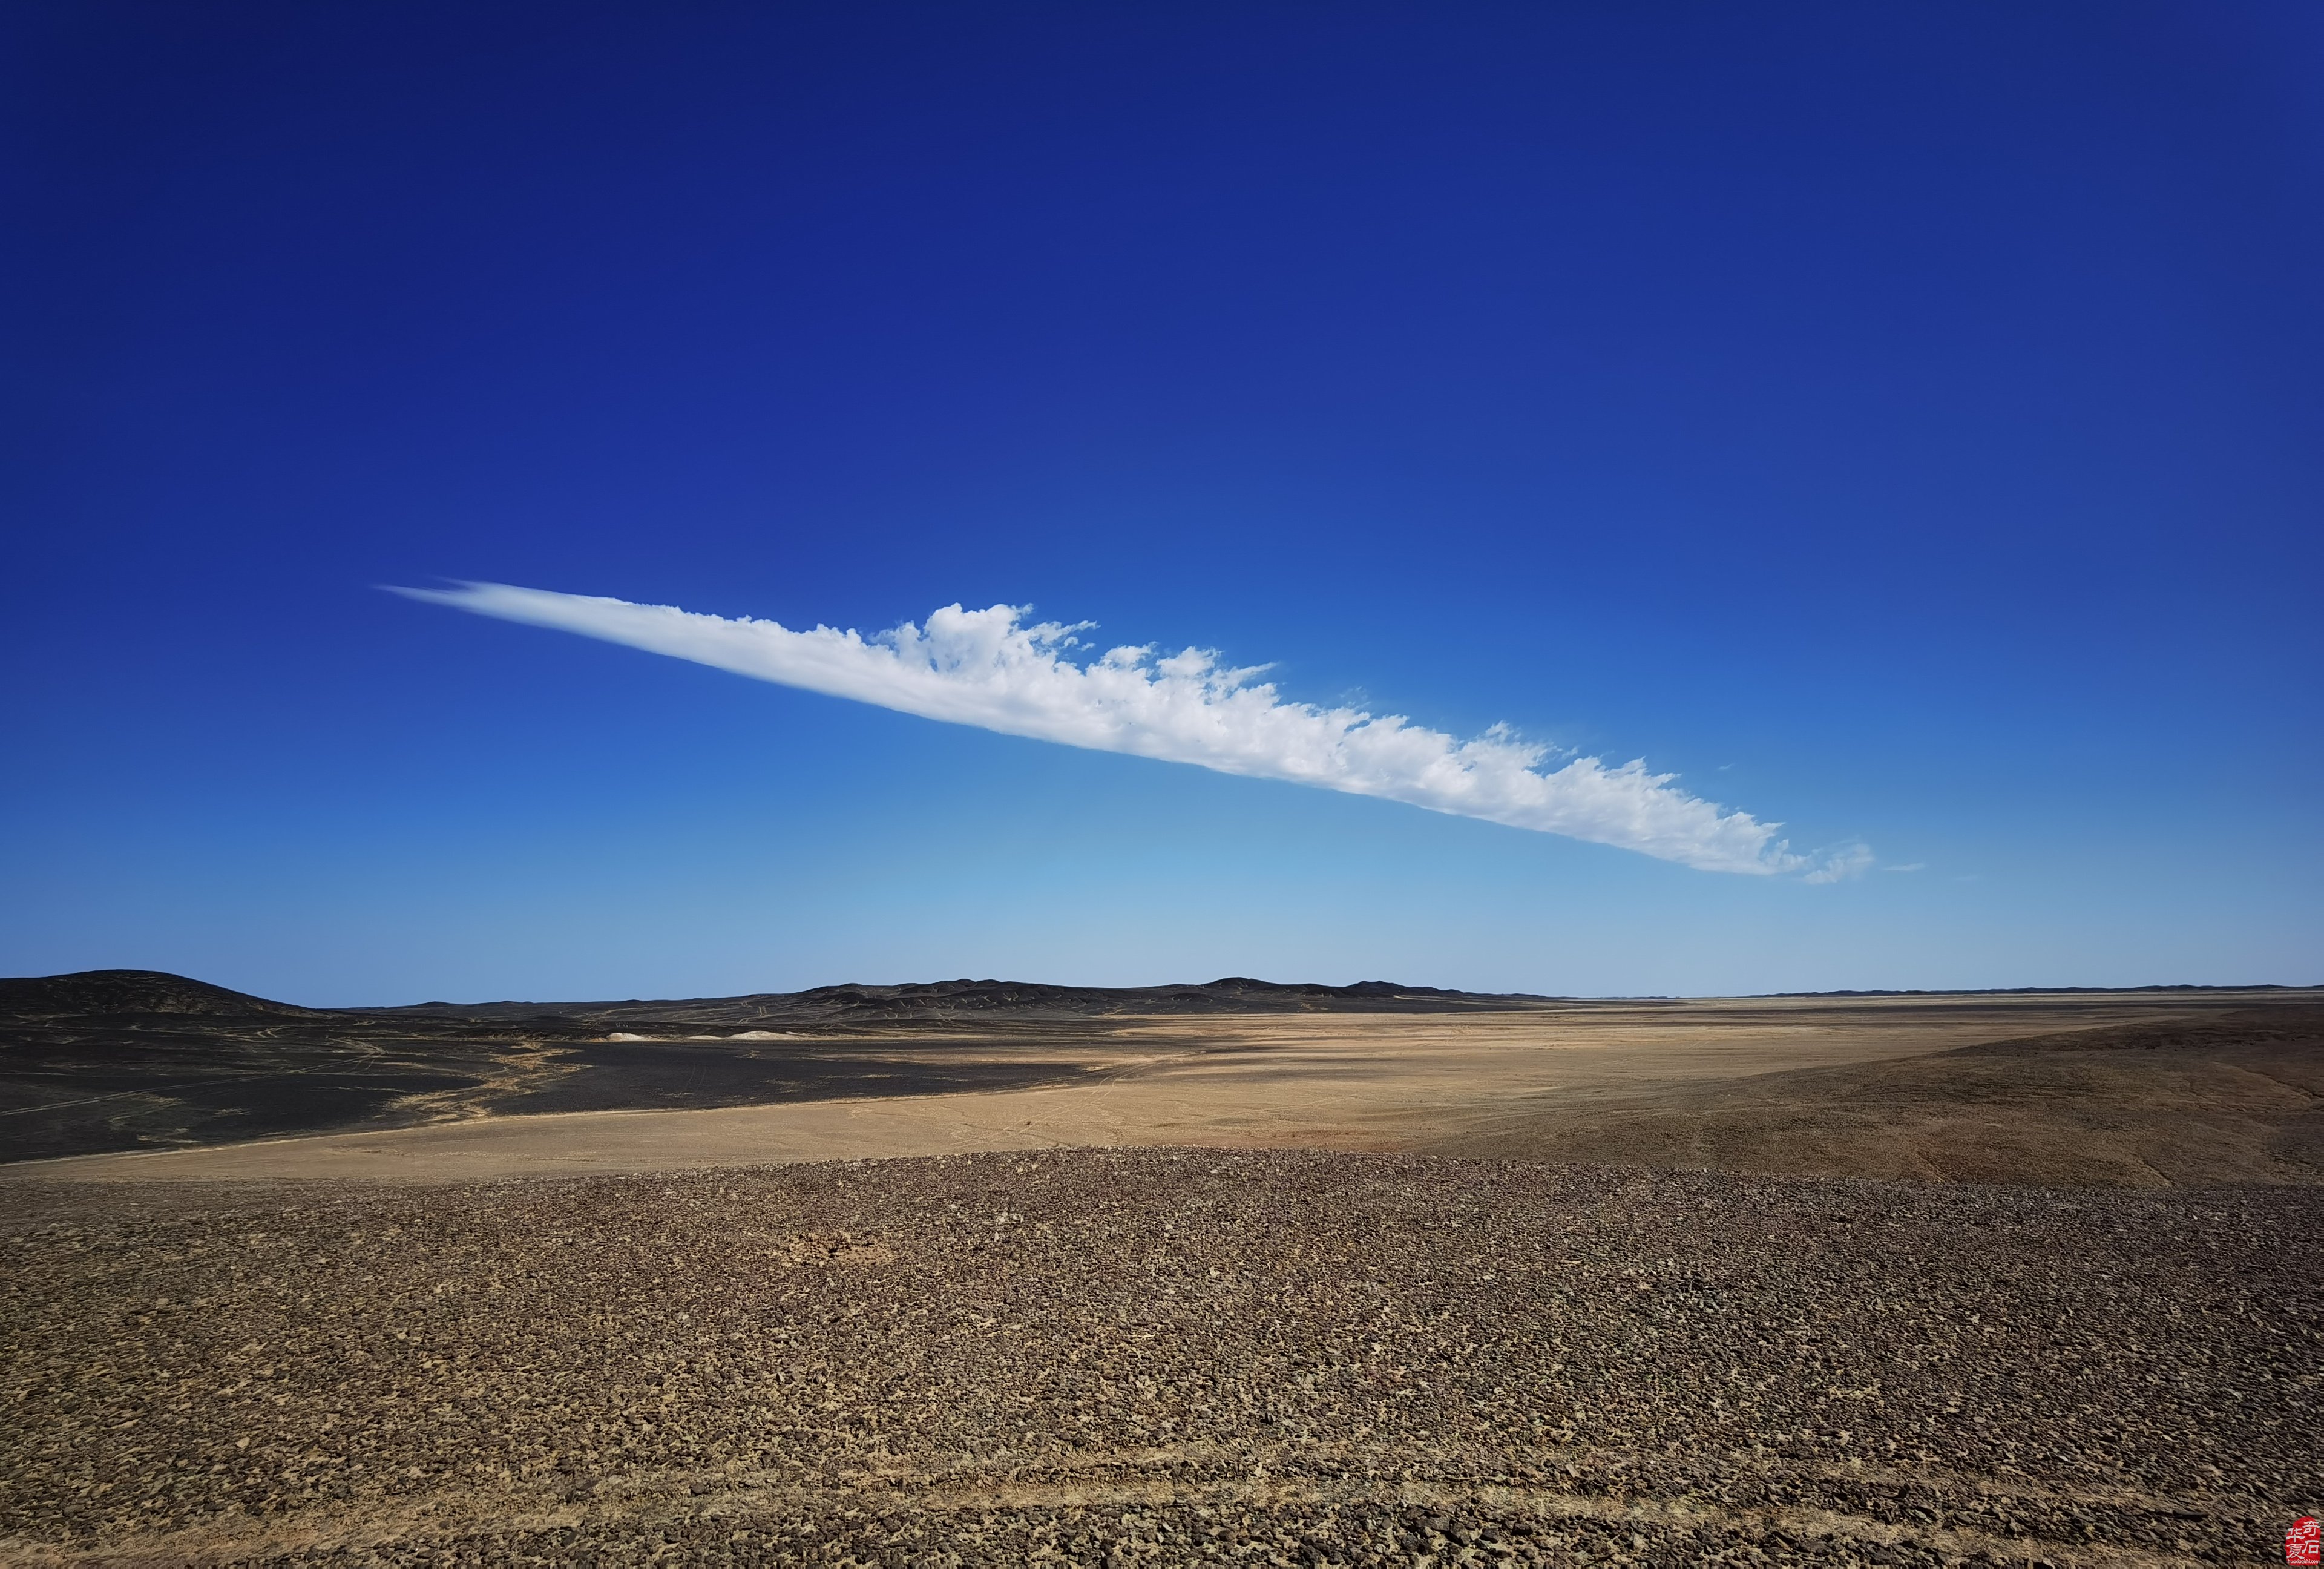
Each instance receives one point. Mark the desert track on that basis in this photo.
(1157, 1356)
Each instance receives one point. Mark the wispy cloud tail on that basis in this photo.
(993, 670)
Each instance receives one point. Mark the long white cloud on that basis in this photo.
(992, 669)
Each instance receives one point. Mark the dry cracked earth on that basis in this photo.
(1159, 1357)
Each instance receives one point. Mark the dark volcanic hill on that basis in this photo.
(129, 1059)
(129, 994)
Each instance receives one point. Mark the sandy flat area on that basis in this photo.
(1356, 1082)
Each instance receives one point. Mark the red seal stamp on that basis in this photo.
(2304, 1542)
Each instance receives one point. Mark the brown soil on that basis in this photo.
(1156, 1357)
(2233, 1097)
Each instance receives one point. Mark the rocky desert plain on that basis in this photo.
(984, 1274)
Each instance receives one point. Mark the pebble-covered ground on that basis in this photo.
(1159, 1357)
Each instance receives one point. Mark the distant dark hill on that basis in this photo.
(1235, 993)
(109, 993)
(119, 994)
(128, 1059)
(935, 1002)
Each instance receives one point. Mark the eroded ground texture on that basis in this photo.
(1159, 1357)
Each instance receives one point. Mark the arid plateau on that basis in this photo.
(974, 1273)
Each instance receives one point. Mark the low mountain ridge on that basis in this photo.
(934, 1001)
(105, 993)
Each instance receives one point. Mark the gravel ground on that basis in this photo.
(1159, 1357)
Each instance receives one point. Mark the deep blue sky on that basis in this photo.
(1904, 423)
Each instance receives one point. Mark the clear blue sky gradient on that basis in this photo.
(1903, 422)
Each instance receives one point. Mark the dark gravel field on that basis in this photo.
(1156, 1357)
